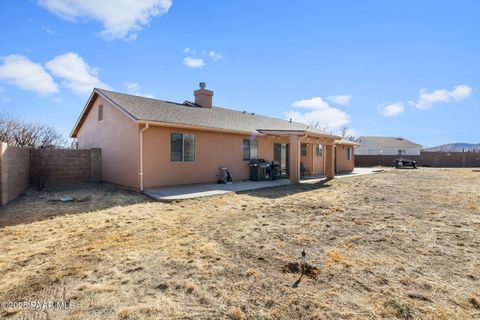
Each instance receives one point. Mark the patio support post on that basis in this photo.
(324, 158)
(313, 148)
(330, 161)
(294, 166)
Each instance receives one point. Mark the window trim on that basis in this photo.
(349, 154)
(245, 148)
(319, 150)
(183, 147)
(251, 143)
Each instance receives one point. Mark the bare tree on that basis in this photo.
(316, 125)
(28, 134)
(344, 133)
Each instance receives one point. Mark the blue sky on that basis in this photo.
(396, 68)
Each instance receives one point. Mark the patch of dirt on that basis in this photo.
(306, 269)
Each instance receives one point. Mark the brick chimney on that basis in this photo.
(203, 97)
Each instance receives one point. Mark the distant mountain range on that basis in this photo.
(456, 147)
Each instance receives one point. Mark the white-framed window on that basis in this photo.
(250, 149)
(182, 147)
(318, 150)
(401, 152)
(349, 153)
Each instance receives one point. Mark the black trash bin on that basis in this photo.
(275, 170)
(259, 170)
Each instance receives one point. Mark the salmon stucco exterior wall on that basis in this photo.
(312, 162)
(118, 137)
(342, 162)
(212, 150)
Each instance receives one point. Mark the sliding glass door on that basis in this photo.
(280, 154)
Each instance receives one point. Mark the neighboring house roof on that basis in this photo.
(346, 142)
(188, 113)
(392, 142)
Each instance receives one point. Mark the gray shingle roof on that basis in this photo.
(391, 142)
(142, 108)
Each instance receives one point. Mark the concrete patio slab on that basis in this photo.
(355, 172)
(206, 190)
(360, 172)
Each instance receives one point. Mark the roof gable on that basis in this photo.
(88, 106)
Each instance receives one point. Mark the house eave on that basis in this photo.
(300, 132)
(194, 127)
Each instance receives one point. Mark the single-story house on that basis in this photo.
(388, 146)
(150, 143)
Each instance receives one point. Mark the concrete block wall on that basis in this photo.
(14, 171)
(18, 164)
(61, 166)
(20, 167)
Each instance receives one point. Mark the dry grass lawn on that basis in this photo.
(400, 244)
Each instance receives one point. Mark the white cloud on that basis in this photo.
(340, 99)
(192, 59)
(193, 62)
(27, 75)
(313, 103)
(75, 73)
(461, 92)
(120, 18)
(214, 55)
(135, 89)
(391, 109)
(427, 99)
(318, 114)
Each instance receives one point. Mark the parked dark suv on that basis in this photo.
(404, 163)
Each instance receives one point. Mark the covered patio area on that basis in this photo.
(304, 147)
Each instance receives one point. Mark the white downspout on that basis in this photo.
(324, 154)
(141, 156)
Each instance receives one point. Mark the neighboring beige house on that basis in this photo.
(388, 146)
(151, 143)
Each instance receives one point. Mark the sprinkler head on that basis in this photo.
(304, 256)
